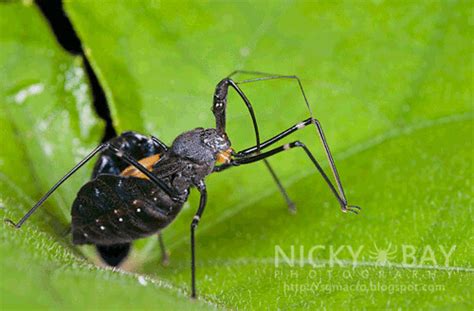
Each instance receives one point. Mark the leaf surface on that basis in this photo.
(391, 84)
(47, 124)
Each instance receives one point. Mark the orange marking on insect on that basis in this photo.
(147, 162)
(224, 156)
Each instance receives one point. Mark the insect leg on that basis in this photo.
(267, 76)
(289, 202)
(131, 161)
(56, 186)
(293, 129)
(219, 109)
(263, 145)
(98, 149)
(341, 199)
(159, 143)
(197, 217)
(222, 167)
(274, 139)
(164, 254)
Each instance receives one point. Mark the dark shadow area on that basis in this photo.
(53, 11)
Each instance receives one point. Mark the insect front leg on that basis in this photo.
(263, 76)
(219, 109)
(197, 217)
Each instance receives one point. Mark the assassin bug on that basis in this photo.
(139, 184)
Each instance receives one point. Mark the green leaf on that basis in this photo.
(393, 92)
(47, 124)
(391, 84)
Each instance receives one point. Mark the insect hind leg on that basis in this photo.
(165, 257)
(114, 254)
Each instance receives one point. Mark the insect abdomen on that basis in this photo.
(136, 145)
(114, 254)
(115, 210)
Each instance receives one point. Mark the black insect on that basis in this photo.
(139, 185)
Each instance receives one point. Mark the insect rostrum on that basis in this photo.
(139, 184)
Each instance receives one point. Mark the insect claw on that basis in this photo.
(352, 211)
(351, 208)
(11, 223)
